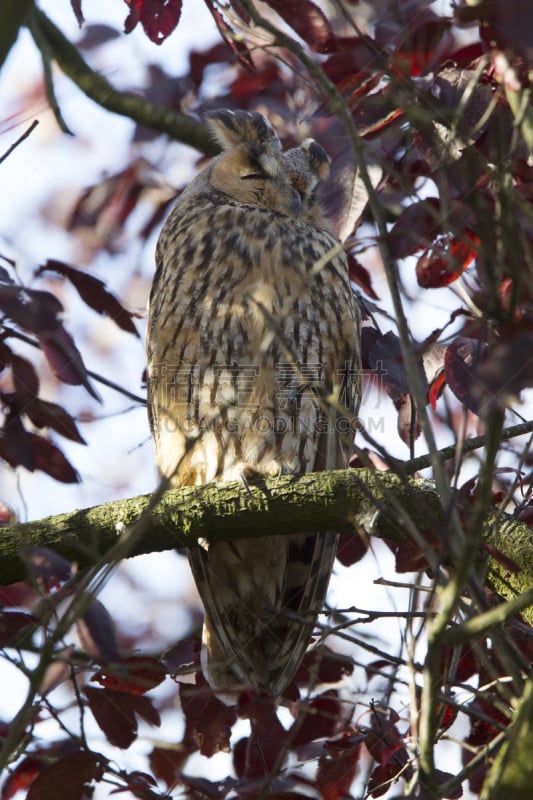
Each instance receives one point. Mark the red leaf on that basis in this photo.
(97, 633)
(166, 763)
(22, 776)
(444, 263)
(247, 83)
(410, 557)
(49, 458)
(158, 17)
(464, 662)
(16, 626)
(416, 227)
(94, 293)
(115, 714)
(384, 741)
(335, 776)
(360, 276)
(267, 743)
(381, 778)
(448, 714)
(236, 44)
(317, 719)
(323, 665)
(68, 777)
(308, 21)
(426, 44)
(351, 548)
(350, 67)
(484, 713)
(208, 722)
(436, 389)
(460, 359)
(134, 674)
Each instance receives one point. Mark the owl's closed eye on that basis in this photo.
(253, 168)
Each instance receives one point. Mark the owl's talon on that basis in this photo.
(245, 483)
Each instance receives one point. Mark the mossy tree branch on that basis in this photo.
(360, 501)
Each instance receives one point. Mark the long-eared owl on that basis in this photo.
(253, 364)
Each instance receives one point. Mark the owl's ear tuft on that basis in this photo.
(231, 128)
(317, 157)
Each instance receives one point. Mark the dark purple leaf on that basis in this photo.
(385, 358)
(25, 380)
(166, 762)
(16, 446)
(97, 633)
(15, 627)
(351, 548)
(78, 13)
(49, 415)
(323, 665)
(96, 35)
(460, 359)
(31, 309)
(46, 568)
(65, 359)
(360, 276)
(133, 674)
(208, 721)
(202, 787)
(68, 778)
(94, 293)
(49, 458)
(115, 714)
(318, 719)
(268, 741)
(416, 227)
(506, 370)
(381, 778)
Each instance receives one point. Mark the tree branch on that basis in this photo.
(177, 126)
(359, 501)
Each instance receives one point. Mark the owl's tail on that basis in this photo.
(261, 600)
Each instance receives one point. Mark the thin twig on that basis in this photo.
(475, 443)
(25, 135)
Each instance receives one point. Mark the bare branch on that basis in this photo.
(177, 126)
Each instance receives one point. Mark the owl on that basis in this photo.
(253, 370)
